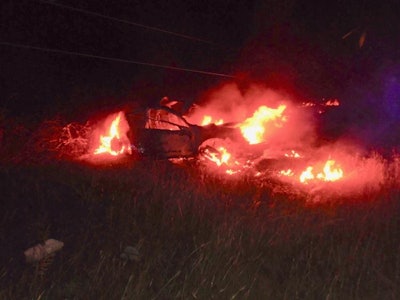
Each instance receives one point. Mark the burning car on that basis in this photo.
(158, 133)
(163, 133)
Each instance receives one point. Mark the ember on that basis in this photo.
(332, 102)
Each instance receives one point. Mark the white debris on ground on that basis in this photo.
(41, 251)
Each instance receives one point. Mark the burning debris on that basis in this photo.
(269, 137)
(114, 141)
(329, 173)
(254, 128)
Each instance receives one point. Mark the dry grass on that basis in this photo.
(199, 237)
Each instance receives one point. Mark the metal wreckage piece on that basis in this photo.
(163, 133)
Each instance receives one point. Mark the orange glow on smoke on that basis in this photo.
(330, 173)
(114, 141)
(253, 128)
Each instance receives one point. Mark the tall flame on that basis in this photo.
(253, 128)
(329, 173)
(307, 175)
(115, 141)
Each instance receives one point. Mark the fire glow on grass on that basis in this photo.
(329, 173)
(113, 140)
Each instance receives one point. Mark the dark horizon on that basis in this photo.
(290, 45)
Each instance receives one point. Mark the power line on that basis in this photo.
(120, 60)
(96, 14)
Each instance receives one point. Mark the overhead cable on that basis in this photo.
(96, 14)
(113, 59)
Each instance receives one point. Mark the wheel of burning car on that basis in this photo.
(223, 153)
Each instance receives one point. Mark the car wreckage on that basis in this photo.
(163, 133)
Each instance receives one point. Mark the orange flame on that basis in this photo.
(307, 175)
(253, 128)
(207, 119)
(115, 142)
(329, 173)
(222, 158)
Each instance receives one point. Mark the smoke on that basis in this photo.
(231, 104)
(363, 170)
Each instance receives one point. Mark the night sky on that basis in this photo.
(292, 45)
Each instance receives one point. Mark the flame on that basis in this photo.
(115, 141)
(222, 158)
(232, 172)
(287, 172)
(329, 173)
(307, 175)
(253, 128)
(293, 154)
(207, 119)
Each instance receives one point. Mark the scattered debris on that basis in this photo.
(41, 251)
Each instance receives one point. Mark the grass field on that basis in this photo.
(190, 234)
(197, 236)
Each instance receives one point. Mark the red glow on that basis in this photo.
(332, 102)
